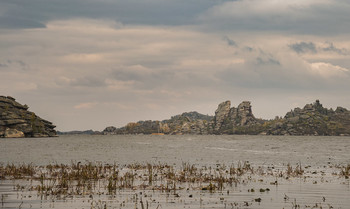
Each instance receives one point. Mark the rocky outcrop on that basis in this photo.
(13, 133)
(86, 132)
(186, 123)
(17, 121)
(313, 119)
(233, 120)
(222, 117)
(227, 120)
(110, 130)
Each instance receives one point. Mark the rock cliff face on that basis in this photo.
(233, 120)
(221, 118)
(17, 121)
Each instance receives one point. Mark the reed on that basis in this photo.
(297, 171)
(150, 174)
(91, 179)
(345, 171)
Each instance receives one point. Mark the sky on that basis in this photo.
(89, 64)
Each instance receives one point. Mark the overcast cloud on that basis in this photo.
(88, 64)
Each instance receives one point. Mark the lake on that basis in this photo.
(320, 186)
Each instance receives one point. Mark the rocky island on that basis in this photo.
(313, 119)
(16, 121)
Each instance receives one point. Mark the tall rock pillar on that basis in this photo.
(221, 115)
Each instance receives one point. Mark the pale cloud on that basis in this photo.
(210, 63)
(25, 86)
(264, 8)
(121, 106)
(297, 17)
(87, 105)
(62, 81)
(328, 70)
(83, 58)
(119, 85)
(152, 106)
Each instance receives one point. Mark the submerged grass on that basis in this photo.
(178, 184)
(91, 178)
(345, 171)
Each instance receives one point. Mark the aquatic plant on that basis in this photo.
(297, 171)
(345, 171)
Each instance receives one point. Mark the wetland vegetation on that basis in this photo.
(171, 172)
(162, 185)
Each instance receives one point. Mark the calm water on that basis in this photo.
(259, 150)
(317, 153)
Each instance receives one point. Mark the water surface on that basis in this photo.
(259, 150)
(321, 186)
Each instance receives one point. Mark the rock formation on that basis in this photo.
(186, 123)
(233, 120)
(17, 121)
(221, 118)
(86, 132)
(313, 119)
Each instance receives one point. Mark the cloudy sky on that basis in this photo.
(88, 64)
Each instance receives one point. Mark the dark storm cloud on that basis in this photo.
(35, 13)
(303, 47)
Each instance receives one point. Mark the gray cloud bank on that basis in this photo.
(301, 17)
(36, 13)
(310, 17)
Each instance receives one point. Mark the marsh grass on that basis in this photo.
(91, 179)
(345, 171)
(297, 171)
(17, 171)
